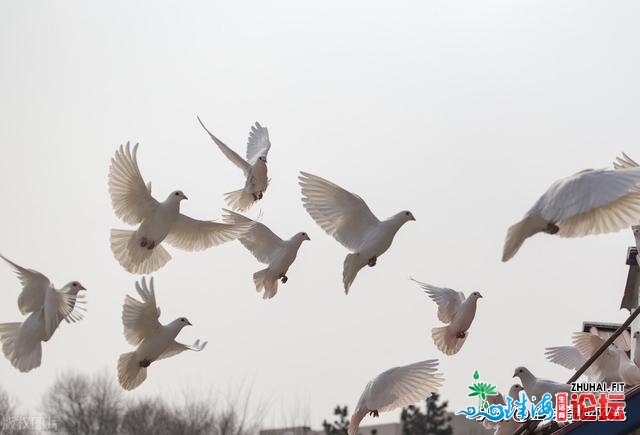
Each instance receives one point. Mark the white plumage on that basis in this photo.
(346, 217)
(593, 201)
(571, 358)
(254, 167)
(537, 387)
(613, 365)
(141, 251)
(154, 341)
(47, 307)
(455, 310)
(397, 387)
(269, 249)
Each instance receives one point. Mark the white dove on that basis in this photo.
(140, 251)
(396, 387)
(22, 342)
(593, 201)
(614, 364)
(607, 367)
(346, 217)
(571, 358)
(154, 340)
(454, 309)
(269, 249)
(254, 168)
(536, 387)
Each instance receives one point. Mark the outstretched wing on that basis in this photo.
(593, 202)
(130, 197)
(175, 348)
(258, 144)
(342, 214)
(196, 235)
(228, 152)
(259, 240)
(140, 319)
(624, 162)
(402, 386)
(448, 300)
(58, 305)
(566, 356)
(34, 286)
(587, 344)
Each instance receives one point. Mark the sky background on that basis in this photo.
(463, 112)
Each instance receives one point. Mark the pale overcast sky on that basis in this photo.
(463, 112)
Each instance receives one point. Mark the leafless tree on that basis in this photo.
(83, 405)
(96, 405)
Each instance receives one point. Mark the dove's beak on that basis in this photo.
(184, 197)
(308, 238)
(189, 323)
(413, 218)
(82, 287)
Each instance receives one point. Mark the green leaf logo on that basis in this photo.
(476, 375)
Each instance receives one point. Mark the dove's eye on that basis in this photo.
(177, 193)
(75, 284)
(183, 320)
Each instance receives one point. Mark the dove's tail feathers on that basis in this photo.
(130, 374)
(135, 258)
(356, 418)
(448, 342)
(352, 266)
(264, 279)
(239, 200)
(24, 352)
(518, 233)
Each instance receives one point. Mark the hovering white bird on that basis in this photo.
(454, 309)
(571, 358)
(536, 387)
(607, 367)
(22, 342)
(268, 249)
(154, 341)
(593, 201)
(346, 217)
(140, 251)
(396, 387)
(254, 168)
(614, 365)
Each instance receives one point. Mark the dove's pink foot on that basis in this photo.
(283, 278)
(259, 195)
(372, 261)
(151, 245)
(461, 334)
(551, 228)
(145, 363)
(374, 413)
(143, 242)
